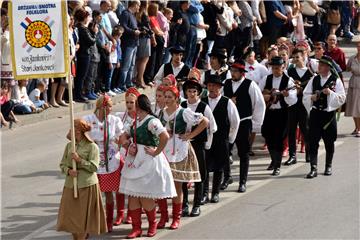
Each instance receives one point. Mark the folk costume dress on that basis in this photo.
(105, 134)
(144, 175)
(84, 214)
(179, 153)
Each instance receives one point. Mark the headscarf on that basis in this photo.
(174, 90)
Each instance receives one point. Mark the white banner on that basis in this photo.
(39, 38)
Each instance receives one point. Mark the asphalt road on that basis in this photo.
(284, 207)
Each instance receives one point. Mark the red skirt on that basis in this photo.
(110, 182)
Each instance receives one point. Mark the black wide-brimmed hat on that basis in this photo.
(192, 83)
(177, 49)
(326, 60)
(218, 53)
(214, 78)
(276, 61)
(239, 64)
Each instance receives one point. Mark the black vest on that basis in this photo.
(283, 85)
(221, 118)
(182, 74)
(222, 75)
(322, 103)
(243, 99)
(294, 74)
(201, 137)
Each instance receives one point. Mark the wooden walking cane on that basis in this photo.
(72, 131)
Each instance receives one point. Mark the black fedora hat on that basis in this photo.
(276, 61)
(219, 53)
(214, 78)
(192, 83)
(177, 49)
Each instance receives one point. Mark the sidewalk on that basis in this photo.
(79, 108)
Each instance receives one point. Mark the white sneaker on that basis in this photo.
(111, 93)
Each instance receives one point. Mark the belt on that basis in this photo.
(246, 118)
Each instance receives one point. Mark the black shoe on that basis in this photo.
(226, 183)
(312, 173)
(270, 167)
(276, 172)
(81, 100)
(242, 188)
(328, 171)
(290, 161)
(195, 212)
(215, 198)
(205, 199)
(185, 211)
(231, 160)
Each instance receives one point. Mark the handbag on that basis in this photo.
(333, 17)
(307, 9)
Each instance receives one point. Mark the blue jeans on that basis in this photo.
(127, 66)
(22, 109)
(39, 103)
(190, 47)
(210, 44)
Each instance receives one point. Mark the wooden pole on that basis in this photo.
(72, 131)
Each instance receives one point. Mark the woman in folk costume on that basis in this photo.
(105, 131)
(146, 175)
(178, 151)
(85, 214)
(159, 99)
(127, 119)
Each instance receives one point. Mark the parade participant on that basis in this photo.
(250, 104)
(178, 151)
(146, 175)
(227, 120)
(127, 118)
(279, 93)
(284, 54)
(255, 72)
(105, 131)
(322, 96)
(311, 63)
(192, 90)
(159, 99)
(297, 113)
(218, 65)
(272, 51)
(169, 80)
(85, 214)
(175, 66)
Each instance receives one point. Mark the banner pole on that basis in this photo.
(73, 148)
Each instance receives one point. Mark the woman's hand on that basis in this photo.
(185, 136)
(72, 173)
(75, 157)
(151, 151)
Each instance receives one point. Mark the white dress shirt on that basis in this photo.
(160, 74)
(255, 71)
(335, 99)
(233, 116)
(212, 127)
(290, 100)
(257, 103)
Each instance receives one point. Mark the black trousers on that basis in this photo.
(322, 125)
(243, 147)
(215, 184)
(297, 115)
(6, 108)
(274, 131)
(199, 148)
